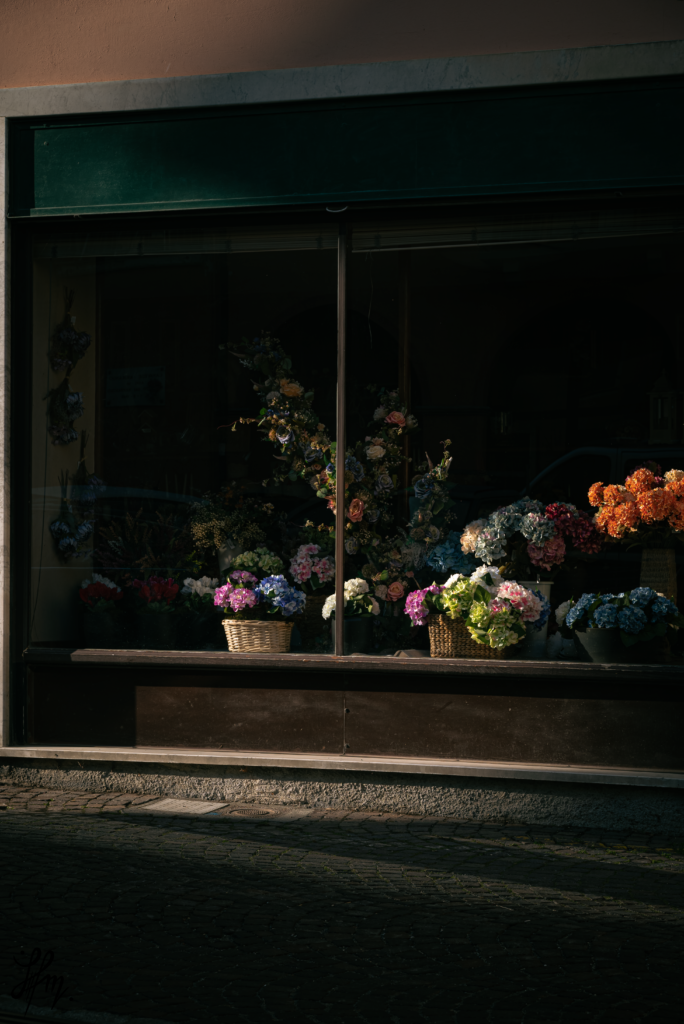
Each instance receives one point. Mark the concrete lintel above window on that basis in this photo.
(390, 78)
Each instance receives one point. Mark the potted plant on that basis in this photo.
(607, 627)
(359, 608)
(199, 624)
(646, 511)
(529, 541)
(312, 570)
(155, 612)
(102, 619)
(480, 616)
(256, 613)
(260, 562)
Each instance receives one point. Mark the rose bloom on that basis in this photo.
(395, 591)
(290, 389)
(355, 511)
(381, 592)
(376, 451)
(396, 419)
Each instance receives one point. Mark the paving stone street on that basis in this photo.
(327, 916)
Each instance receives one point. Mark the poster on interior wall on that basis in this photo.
(136, 385)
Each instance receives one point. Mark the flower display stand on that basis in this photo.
(659, 571)
(249, 636)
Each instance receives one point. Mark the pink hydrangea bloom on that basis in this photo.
(550, 554)
(524, 601)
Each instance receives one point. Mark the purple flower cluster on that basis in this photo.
(416, 606)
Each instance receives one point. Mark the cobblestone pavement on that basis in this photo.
(337, 917)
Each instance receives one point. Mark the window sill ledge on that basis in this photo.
(368, 763)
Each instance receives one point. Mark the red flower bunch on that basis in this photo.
(156, 590)
(95, 592)
(576, 526)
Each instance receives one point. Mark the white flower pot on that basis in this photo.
(535, 644)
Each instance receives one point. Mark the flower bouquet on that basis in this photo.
(102, 621)
(477, 616)
(529, 539)
(256, 612)
(359, 608)
(647, 510)
(198, 613)
(605, 625)
(156, 612)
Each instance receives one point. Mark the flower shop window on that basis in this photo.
(500, 361)
(153, 432)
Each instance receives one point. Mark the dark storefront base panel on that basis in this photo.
(611, 724)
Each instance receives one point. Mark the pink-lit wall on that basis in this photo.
(53, 42)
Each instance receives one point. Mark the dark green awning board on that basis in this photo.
(550, 139)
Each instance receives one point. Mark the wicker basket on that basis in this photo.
(449, 638)
(264, 637)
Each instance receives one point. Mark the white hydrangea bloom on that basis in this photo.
(453, 579)
(354, 588)
(561, 611)
(203, 586)
(491, 570)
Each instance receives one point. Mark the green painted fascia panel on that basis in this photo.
(610, 135)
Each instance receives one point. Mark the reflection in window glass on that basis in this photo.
(140, 483)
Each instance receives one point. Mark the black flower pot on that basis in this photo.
(104, 630)
(358, 634)
(157, 631)
(602, 646)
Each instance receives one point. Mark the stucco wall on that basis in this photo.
(51, 42)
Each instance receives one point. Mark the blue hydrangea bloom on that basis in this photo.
(640, 596)
(578, 609)
(606, 616)
(632, 620)
(662, 608)
(448, 557)
(278, 592)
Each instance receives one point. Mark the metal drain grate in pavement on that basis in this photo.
(251, 814)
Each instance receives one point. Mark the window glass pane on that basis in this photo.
(137, 473)
(546, 346)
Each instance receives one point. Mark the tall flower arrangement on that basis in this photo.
(426, 528)
(528, 538)
(287, 418)
(305, 451)
(648, 509)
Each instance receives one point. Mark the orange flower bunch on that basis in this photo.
(642, 501)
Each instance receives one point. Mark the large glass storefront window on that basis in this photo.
(499, 364)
